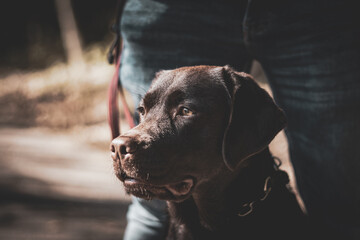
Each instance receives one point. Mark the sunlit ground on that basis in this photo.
(56, 177)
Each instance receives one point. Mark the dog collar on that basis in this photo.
(248, 208)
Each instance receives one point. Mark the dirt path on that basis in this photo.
(56, 186)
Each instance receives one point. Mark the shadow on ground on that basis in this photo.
(25, 216)
(56, 186)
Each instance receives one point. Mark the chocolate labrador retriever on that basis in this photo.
(202, 145)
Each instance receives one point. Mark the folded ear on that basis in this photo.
(254, 118)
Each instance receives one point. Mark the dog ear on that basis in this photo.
(254, 118)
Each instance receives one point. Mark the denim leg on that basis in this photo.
(160, 35)
(146, 220)
(311, 57)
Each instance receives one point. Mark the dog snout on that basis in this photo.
(122, 147)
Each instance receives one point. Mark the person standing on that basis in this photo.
(310, 53)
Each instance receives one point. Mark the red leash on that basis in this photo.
(115, 84)
(113, 113)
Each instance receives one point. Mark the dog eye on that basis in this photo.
(141, 110)
(185, 112)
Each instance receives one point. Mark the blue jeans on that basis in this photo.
(310, 52)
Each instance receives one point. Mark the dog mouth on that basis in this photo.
(177, 190)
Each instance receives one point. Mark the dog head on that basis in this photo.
(196, 124)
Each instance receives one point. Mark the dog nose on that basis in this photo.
(121, 146)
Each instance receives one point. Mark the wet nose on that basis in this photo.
(122, 146)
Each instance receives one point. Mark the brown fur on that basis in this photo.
(221, 146)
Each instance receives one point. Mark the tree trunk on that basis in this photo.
(69, 32)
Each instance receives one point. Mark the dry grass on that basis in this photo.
(59, 97)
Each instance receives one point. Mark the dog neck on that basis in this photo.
(216, 202)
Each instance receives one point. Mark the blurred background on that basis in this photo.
(56, 177)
